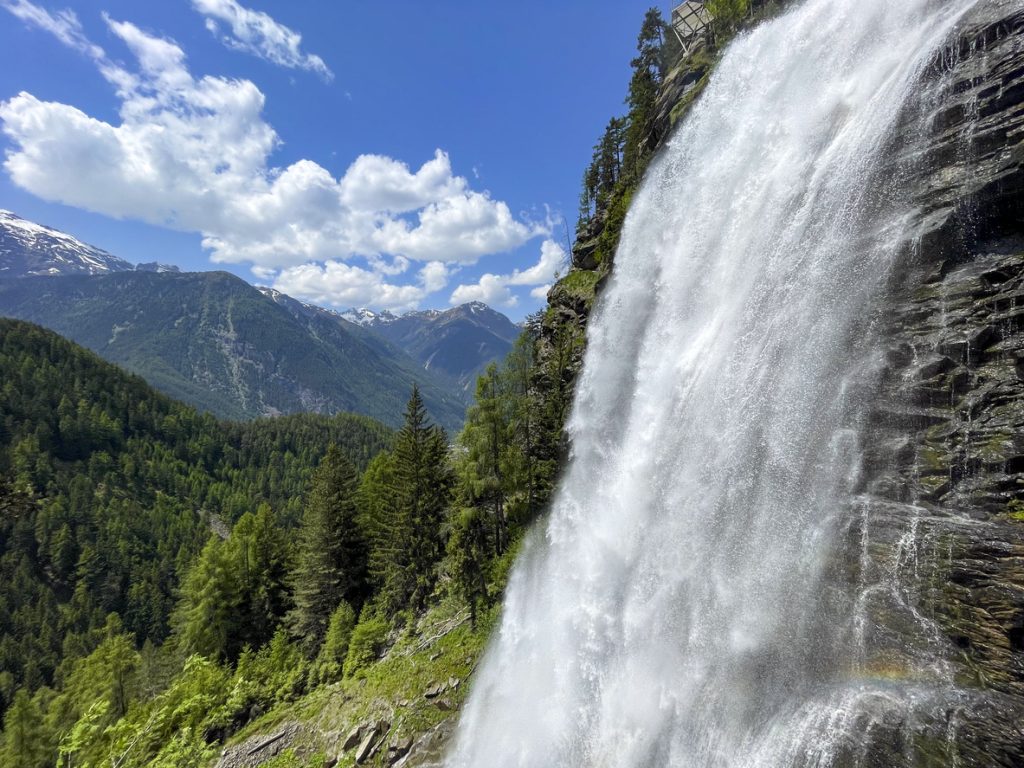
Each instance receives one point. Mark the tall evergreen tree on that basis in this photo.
(468, 550)
(378, 518)
(331, 561)
(486, 437)
(259, 550)
(422, 487)
(643, 94)
(24, 743)
(608, 156)
(206, 615)
(519, 460)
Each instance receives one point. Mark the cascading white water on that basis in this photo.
(681, 606)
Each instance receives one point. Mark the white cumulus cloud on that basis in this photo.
(494, 289)
(552, 256)
(194, 154)
(335, 283)
(490, 289)
(257, 33)
(434, 276)
(379, 183)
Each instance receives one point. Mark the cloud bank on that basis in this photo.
(194, 154)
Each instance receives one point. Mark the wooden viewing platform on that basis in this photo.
(690, 22)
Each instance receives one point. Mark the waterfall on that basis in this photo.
(685, 603)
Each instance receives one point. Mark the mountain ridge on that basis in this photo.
(443, 350)
(29, 249)
(459, 342)
(453, 346)
(216, 342)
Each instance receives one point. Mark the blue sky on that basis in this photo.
(398, 155)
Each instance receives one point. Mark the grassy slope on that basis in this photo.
(442, 649)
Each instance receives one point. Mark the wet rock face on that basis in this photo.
(972, 188)
(943, 481)
(944, 494)
(952, 407)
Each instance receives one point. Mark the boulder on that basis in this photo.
(368, 746)
(398, 749)
(353, 738)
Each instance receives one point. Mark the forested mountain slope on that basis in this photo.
(109, 491)
(212, 340)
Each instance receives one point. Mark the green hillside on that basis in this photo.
(215, 342)
(108, 491)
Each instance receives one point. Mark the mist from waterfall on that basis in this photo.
(683, 606)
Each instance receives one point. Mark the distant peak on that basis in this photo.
(155, 266)
(31, 249)
(364, 316)
(375, 318)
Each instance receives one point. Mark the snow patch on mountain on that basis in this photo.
(30, 249)
(367, 317)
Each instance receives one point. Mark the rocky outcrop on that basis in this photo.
(943, 494)
(258, 750)
(971, 190)
(372, 738)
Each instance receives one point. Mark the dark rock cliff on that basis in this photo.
(944, 481)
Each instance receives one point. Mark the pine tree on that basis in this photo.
(260, 553)
(520, 466)
(24, 744)
(496, 467)
(331, 660)
(422, 486)
(331, 561)
(487, 434)
(643, 94)
(206, 616)
(608, 156)
(586, 202)
(468, 550)
(378, 518)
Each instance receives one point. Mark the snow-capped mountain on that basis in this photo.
(459, 342)
(454, 345)
(28, 249)
(155, 266)
(367, 317)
